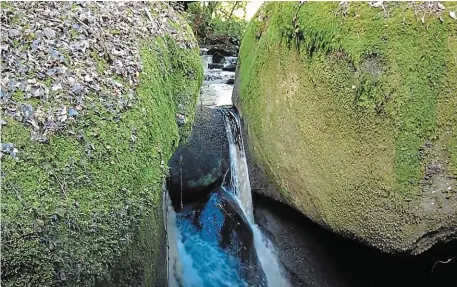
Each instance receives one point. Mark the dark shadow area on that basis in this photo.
(331, 260)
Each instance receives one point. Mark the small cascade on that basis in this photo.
(238, 166)
(215, 91)
(241, 187)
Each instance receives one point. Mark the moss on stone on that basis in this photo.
(75, 210)
(340, 109)
(5, 4)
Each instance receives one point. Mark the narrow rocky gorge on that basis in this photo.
(282, 74)
(320, 150)
(306, 254)
(215, 241)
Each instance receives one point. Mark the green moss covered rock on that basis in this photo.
(84, 207)
(351, 110)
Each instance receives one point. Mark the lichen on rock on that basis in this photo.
(350, 110)
(90, 95)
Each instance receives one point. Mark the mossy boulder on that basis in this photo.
(84, 207)
(350, 110)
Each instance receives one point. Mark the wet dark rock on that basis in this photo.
(225, 50)
(203, 160)
(215, 66)
(298, 249)
(230, 82)
(218, 58)
(229, 68)
(314, 256)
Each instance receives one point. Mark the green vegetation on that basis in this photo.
(74, 34)
(91, 198)
(340, 105)
(218, 20)
(5, 4)
(101, 63)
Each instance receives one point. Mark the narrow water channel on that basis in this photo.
(214, 241)
(228, 236)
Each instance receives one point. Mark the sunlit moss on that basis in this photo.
(339, 108)
(90, 199)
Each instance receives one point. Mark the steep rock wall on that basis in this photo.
(95, 98)
(350, 110)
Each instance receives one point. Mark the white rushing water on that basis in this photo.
(240, 184)
(215, 91)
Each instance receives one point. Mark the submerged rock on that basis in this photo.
(202, 162)
(219, 223)
(230, 81)
(339, 101)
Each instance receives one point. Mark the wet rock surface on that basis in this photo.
(202, 162)
(299, 248)
(223, 49)
(230, 82)
(314, 256)
(218, 58)
(230, 68)
(215, 66)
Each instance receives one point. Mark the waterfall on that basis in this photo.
(238, 166)
(241, 187)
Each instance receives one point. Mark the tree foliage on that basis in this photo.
(218, 20)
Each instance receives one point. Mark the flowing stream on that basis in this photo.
(242, 189)
(215, 242)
